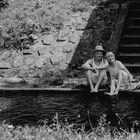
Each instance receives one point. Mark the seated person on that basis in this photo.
(120, 77)
(96, 69)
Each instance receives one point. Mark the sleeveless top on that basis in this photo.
(114, 71)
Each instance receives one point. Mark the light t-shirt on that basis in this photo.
(114, 71)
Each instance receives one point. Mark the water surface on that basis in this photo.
(28, 108)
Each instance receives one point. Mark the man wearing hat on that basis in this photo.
(96, 69)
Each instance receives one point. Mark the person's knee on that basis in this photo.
(124, 74)
(120, 73)
(103, 78)
(88, 72)
(103, 73)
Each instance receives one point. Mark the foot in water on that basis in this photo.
(109, 93)
(93, 91)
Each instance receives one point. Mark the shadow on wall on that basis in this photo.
(97, 32)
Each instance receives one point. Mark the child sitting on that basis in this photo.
(120, 77)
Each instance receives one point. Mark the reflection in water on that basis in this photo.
(29, 109)
(4, 103)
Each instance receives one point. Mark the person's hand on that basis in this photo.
(95, 71)
(130, 77)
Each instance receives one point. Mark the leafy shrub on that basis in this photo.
(22, 18)
(80, 6)
(3, 4)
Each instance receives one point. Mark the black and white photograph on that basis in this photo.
(69, 69)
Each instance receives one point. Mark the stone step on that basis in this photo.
(130, 54)
(134, 14)
(133, 68)
(130, 45)
(134, 10)
(130, 0)
(134, 5)
(133, 27)
(131, 36)
(134, 18)
(133, 0)
(134, 30)
(129, 57)
(132, 65)
(132, 22)
(129, 48)
(130, 39)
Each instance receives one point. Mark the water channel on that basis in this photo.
(20, 108)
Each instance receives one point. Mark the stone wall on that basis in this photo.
(49, 54)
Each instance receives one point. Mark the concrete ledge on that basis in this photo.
(131, 91)
(4, 89)
(41, 89)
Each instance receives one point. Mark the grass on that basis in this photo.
(46, 133)
(60, 131)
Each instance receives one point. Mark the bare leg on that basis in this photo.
(126, 80)
(102, 74)
(119, 82)
(89, 79)
(112, 88)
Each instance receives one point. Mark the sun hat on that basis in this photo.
(99, 48)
